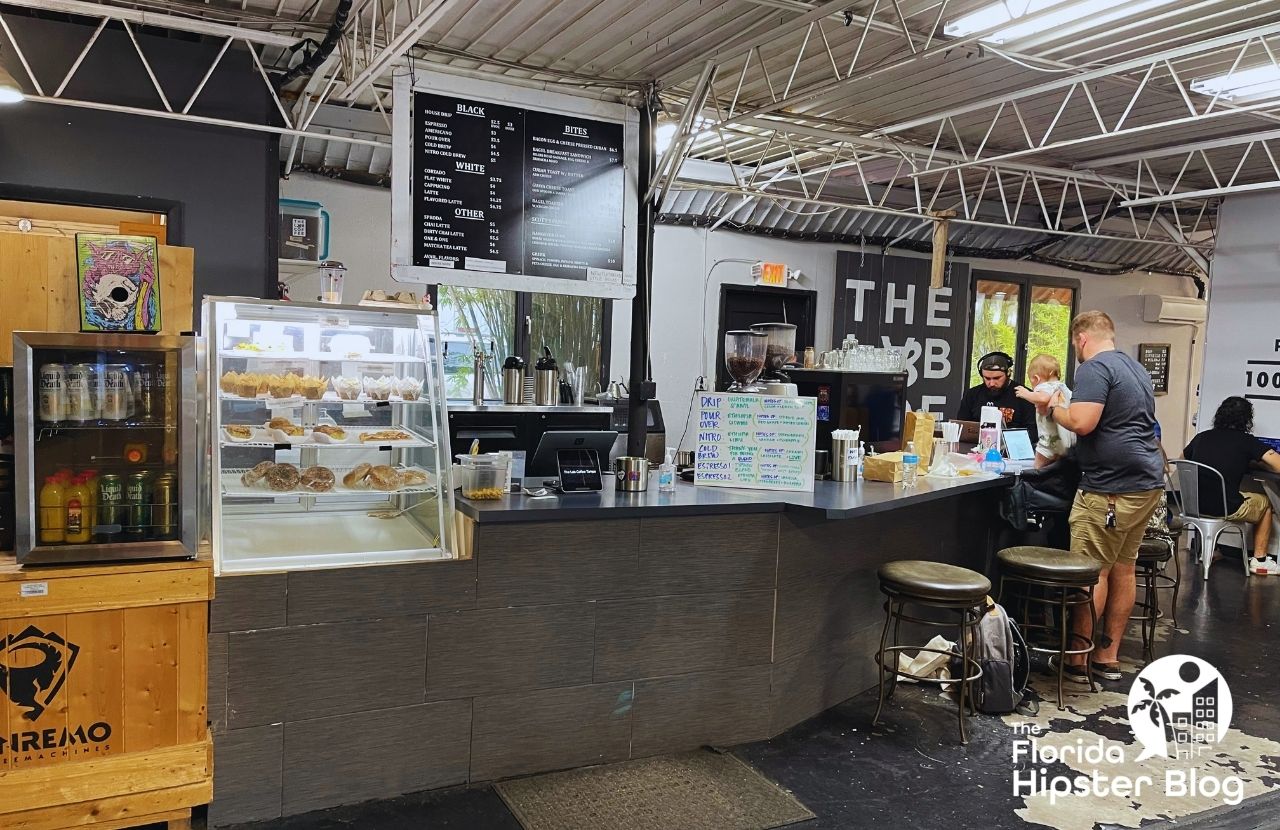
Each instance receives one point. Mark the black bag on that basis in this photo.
(1050, 489)
(1002, 653)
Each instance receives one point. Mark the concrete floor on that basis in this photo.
(910, 772)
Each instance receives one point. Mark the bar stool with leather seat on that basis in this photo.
(931, 585)
(1054, 580)
(1154, 556)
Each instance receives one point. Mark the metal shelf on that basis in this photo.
(233, 488)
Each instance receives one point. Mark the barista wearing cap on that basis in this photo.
(996, 390)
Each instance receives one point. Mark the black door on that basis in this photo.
(742, 306)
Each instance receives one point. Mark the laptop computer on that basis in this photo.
(968, 431)
(1020, 453)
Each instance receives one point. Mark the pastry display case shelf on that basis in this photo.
(352, 442)
(321, 357)
(329, 399)
(234, 488)
(281, 542)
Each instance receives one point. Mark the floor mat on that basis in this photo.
(690, 791)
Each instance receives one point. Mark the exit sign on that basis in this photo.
(770, 273)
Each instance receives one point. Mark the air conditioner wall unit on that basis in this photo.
(1157, 308)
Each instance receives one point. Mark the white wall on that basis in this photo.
(684, 327)
(359, 234)
(686, 306)
(1244, 307)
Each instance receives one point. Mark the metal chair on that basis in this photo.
(1208, 529)
(1273, 495)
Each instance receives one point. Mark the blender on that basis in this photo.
(744, 353)
(780, 350)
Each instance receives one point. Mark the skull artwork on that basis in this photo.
(114, 297)
(119, 286)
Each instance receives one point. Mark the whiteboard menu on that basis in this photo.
(756, 441)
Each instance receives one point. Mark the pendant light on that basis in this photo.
(10, 92)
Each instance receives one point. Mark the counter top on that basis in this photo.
(520, 408)
(830, 499)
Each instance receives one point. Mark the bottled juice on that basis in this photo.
(53, 515)
(79, 524)
(91, 481)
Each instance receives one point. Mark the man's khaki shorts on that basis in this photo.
(1110, 545)
(1254, 509)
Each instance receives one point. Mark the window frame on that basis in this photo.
(523, 318)
(1026, 283)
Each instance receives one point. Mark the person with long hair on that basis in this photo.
(1231, 449)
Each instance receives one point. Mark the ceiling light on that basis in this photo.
(1093, 13)
(1260, 82)
(666, 131)
(10, 92)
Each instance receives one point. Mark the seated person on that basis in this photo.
(1229, 448)
(1045, 376)
(996, 390)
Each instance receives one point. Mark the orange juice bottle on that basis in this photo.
(79, 527)
(91, 482)
(53, 516)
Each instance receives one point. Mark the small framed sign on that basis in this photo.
(1154, 357)
(119, 279)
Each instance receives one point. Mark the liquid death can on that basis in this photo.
(82, 392)
(115, 392)
(109, 523)
(145, 392)
(164, 507)
(53, 392)
(137, 507)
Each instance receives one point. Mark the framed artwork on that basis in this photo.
(119, 282)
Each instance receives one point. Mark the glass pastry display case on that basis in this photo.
(105, 451)
(329, 436)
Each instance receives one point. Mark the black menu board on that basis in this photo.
(1154, 357)
(508, 190)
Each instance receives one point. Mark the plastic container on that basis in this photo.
(993, 462)
(304, 230)
(483, 476)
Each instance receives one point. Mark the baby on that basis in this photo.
(1045, 374)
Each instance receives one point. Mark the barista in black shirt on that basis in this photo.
(996, 390)
(1231, 449)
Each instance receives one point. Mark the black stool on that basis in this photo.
(931, 585)
(1051, 579)
(1154, 555)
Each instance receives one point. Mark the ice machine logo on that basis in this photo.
(1177, 706)
(33, 668)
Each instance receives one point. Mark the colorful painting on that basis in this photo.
(119, 282)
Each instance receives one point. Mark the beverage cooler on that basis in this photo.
(330, 442)
(105, 447)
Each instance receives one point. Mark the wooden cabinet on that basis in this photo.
(103, 695)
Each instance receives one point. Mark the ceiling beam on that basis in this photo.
(1179, 149)
(1201, 194)
(164, 21)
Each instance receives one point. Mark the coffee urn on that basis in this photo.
(546, 380)
(513, 380)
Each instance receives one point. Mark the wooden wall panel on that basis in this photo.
(151, 690)
(38, 283)
(193, 675)
(99, 673)
(54, 715)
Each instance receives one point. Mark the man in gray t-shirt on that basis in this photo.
(1122, 475)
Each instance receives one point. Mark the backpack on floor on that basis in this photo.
(1002, 653)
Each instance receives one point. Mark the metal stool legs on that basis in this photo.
(970, 616)
(1062, 598)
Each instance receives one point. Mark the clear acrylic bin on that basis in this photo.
(484, 476)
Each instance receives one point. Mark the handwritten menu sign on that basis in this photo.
(756, 441)
(1154, 357)
(506, 190)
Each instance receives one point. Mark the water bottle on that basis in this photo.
(993, 462)
(910, 465)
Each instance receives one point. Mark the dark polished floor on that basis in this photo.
(910, 772)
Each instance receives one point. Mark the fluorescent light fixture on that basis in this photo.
(1257, 83)
(1092, 13)
(665, 132)
(10, 92)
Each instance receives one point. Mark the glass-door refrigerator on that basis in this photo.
(105, 450)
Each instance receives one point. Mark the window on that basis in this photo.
(1023, 317)
(575, 329)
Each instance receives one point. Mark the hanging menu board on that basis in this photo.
(756, 441)
(1154, 357)
(513, 192)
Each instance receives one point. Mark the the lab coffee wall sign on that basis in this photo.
(495, 190)
(887, 301)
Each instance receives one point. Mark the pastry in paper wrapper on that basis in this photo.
(410, 388)
(348, 389)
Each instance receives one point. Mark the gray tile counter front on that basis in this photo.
(645, 624)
